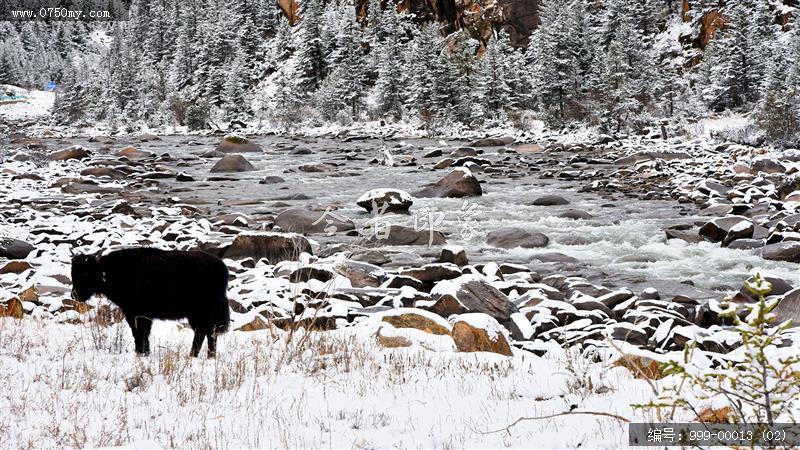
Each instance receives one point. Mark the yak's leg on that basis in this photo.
(136, 331)
(144, 325)
(212, 344)
(197, 343)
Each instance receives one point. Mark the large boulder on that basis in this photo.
(717, 230)
(386, 200)
(512, 237)
(14, 248)
(781, 251)
(74, 152)
(788, 185)
(232, 163)
(402, 235)
(275, 247)
(788, 308)
(234, 143)
(477, 295)
(299, 220)
(767, 165)
(478, 332)
(459, 183)
(691, 236)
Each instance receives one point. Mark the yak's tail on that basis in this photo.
(222, 318)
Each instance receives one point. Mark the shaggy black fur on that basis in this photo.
(148, 283)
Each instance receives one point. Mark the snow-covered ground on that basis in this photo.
(81, 386)
(37, 105)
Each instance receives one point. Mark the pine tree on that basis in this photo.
(556, 66)
(496, 76)
(309, 51)
(732, 72)
(236, 100)
(8, 63)
(73, 102)
(344, 89)
(424, 56)
(390, 86)
(618, 88)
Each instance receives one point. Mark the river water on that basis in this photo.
(623, 244)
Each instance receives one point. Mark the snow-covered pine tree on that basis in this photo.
(618, 100)
(374, 34)
(424, 55)
(556, 67)
(390, 87)
(236, 99)
(345, 87)
(730, 77)
(73, 102)
(8, 63)
(181, 74)
(496, 76)
(309, 54)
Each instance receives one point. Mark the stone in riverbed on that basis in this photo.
(459, 183)
(512, 237)
(104, 172)
(781, 251)
(89, 188)
(742, 230)
(788, 308)
(275, 247)
(690, 236)
(628, 332)
(232, 163)
(550, 200)
(767, 165)
(445, 306)
(306, 221)
(430, 273)
(575, 214)
(779, 287)
(14, 248)
(74, 152)
(386, 200)
(402, 235)
(717, 230)
(271, 179)
(454, 254)
(746, 244)
(788, 185)
(492, 142)
(233, 143)
(318, 168)
(477, 332)
(133, 153)
(361, 274)
(477, 295)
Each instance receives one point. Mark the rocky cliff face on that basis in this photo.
(517, 17)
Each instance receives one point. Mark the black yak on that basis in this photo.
(148, 283)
